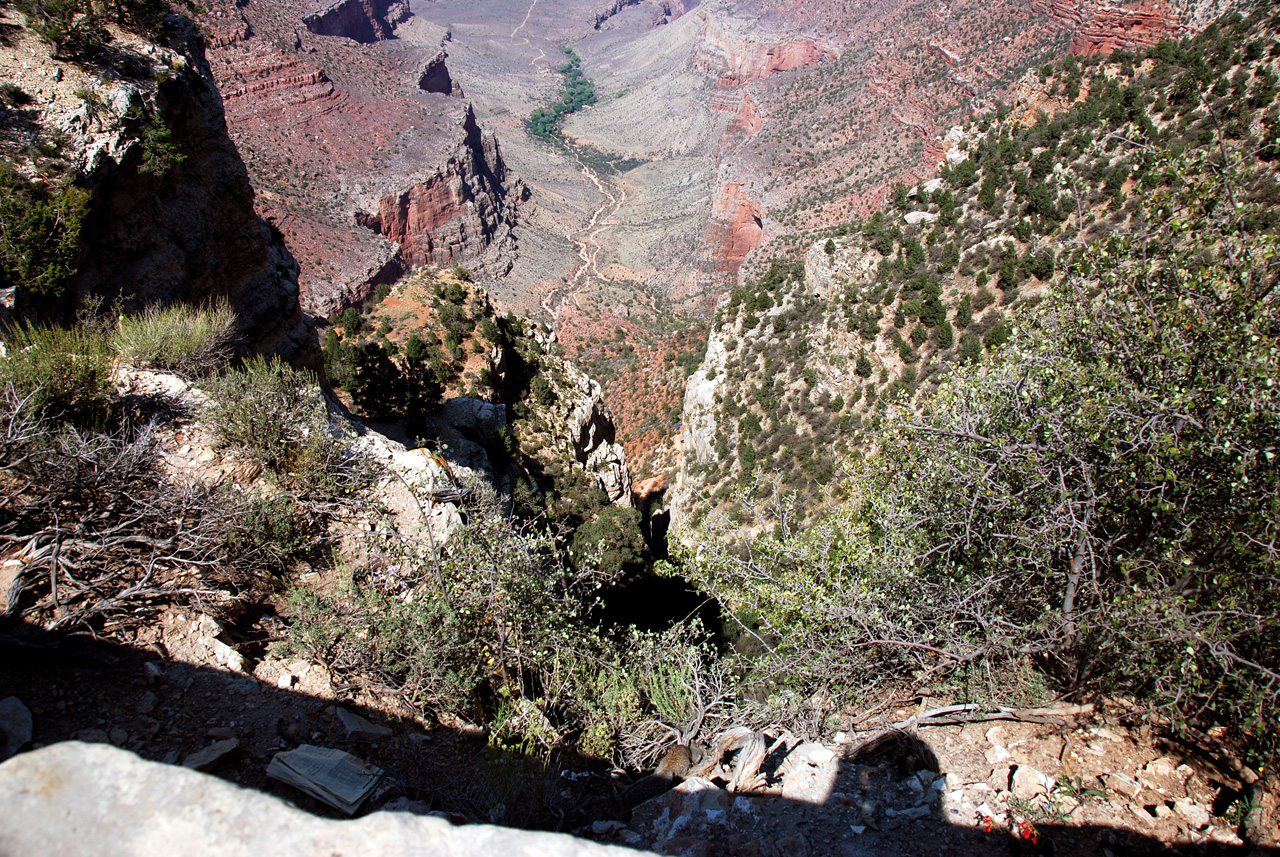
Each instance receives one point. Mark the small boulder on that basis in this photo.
(1196, 815)
(359, 729)
(1122, 784)
(209, 757)
(1027, 783)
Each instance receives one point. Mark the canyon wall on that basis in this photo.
(734, 228)
(460, 210)
(733, 58)
(365, 157)
(1098, 28)
(186, 231)
(364, 21)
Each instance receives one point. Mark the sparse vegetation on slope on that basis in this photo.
(941, 276)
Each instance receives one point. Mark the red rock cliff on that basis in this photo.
(464, 206)
(734, 59)
(1098, 28)
(735, 228)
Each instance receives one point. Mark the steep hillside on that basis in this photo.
(435, 337)
(120, 183)
(802, 364)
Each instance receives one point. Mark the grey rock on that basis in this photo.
(1196, 815)
(359, 729)
(686, 811)
(80, 800)
(209, 757)
(15, 726)
(1027, 783)
(1122, 784)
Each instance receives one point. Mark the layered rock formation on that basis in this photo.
(734, 58)
(436, 78)
(362, 158)
(735, 227)
(1098, 28)
(460, 208)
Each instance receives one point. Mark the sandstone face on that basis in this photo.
(733, 57)
(1098, 28)
(78, 800)
(458, 210)
(191, 234)
(735, 227)
(363, 21)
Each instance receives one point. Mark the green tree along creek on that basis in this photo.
(544, 123)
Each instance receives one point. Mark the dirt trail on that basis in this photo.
(520, 26)
(587, 240)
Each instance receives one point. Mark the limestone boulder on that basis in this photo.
(90, 800)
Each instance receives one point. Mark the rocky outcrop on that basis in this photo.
(734, 58)
(186, 232)
(362, 21)
(735, 227)
(77, 800)
(746, 122)
(664, 10)
(435, 77)
(1099, 28)
(578, 420)
(456, 212)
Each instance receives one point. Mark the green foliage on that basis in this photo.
(40, 235)
(12, 95)
(160, 154)
(63, 374)
(180, 338)
(863, 366)
(276, 416)
(1101, 495)
(339, 360)
(544, 123)
(75, 27)
(506, 618)
(611, 542)
(380, 391)
(997, 336)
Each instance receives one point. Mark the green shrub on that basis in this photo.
(180, 338)
(41, 234)
(65, 373)
(272, 413)
(1097, 501)
(611, 542)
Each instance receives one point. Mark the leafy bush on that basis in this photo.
(180, 338)
(1101, 499)
(495, 613)
(64, 373)
(41, 233)
(276, 415)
